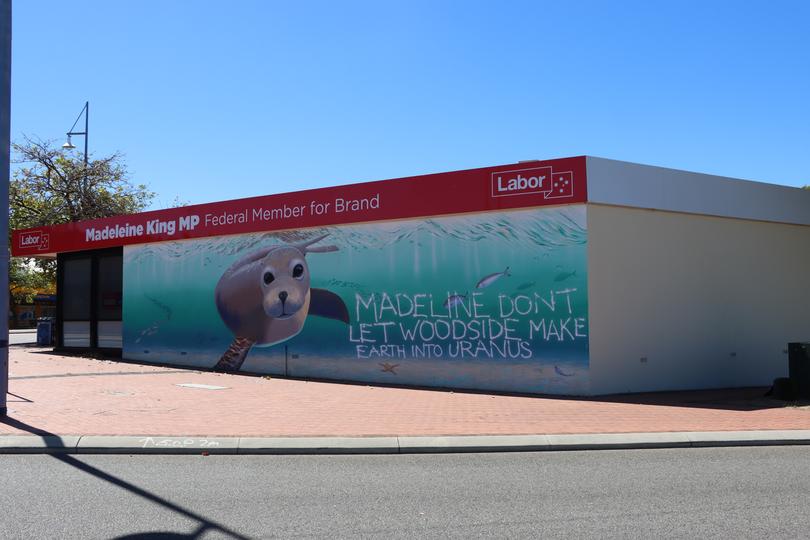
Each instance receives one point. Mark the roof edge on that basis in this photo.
(622, 183)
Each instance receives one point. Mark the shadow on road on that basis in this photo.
(162, 535)
(54, 441)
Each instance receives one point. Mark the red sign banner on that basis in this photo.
(522, 185)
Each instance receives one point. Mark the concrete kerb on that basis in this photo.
(150, 444)
(473, 443)
(96, 444)
(749, 438)
(318, 445)
(38, 444)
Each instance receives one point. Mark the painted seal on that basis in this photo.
(265, 297)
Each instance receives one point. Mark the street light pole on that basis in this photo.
(69, 145)
(5, 148)
(86, 131)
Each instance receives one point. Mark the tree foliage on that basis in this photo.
(50, 187)
(25, 280)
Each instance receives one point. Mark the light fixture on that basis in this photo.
(69, 145)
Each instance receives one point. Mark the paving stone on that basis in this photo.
(70, 395)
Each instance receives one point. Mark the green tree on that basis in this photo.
(25, 280)
(49, 187)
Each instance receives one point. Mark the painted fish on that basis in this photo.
(486, 281)
(454, 300)
(163, 307)
(341, 283)
(524, 286)
(562, 373)
(562, 276)
(152, 330)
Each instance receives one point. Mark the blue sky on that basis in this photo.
(219, 100)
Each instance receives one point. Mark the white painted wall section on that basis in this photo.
(683, 301)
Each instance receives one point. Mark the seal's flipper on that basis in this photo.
(327, 304)
(233, 358)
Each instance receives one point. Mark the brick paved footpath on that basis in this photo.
(69, 395)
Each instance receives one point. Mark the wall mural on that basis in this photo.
(494, 301)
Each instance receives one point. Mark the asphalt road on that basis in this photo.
(704, 493)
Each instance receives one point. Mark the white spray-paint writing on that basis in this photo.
(171, 442)
(471, 325)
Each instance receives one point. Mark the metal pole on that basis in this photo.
(86, 124)
(86, 133)
(5, 148)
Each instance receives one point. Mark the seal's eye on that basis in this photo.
(268, 278)
(298, 271)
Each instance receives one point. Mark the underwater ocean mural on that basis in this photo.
(490, 301)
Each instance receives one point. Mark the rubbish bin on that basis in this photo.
(45, 331)
(799, 368)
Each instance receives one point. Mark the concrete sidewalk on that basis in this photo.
(75, 404)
